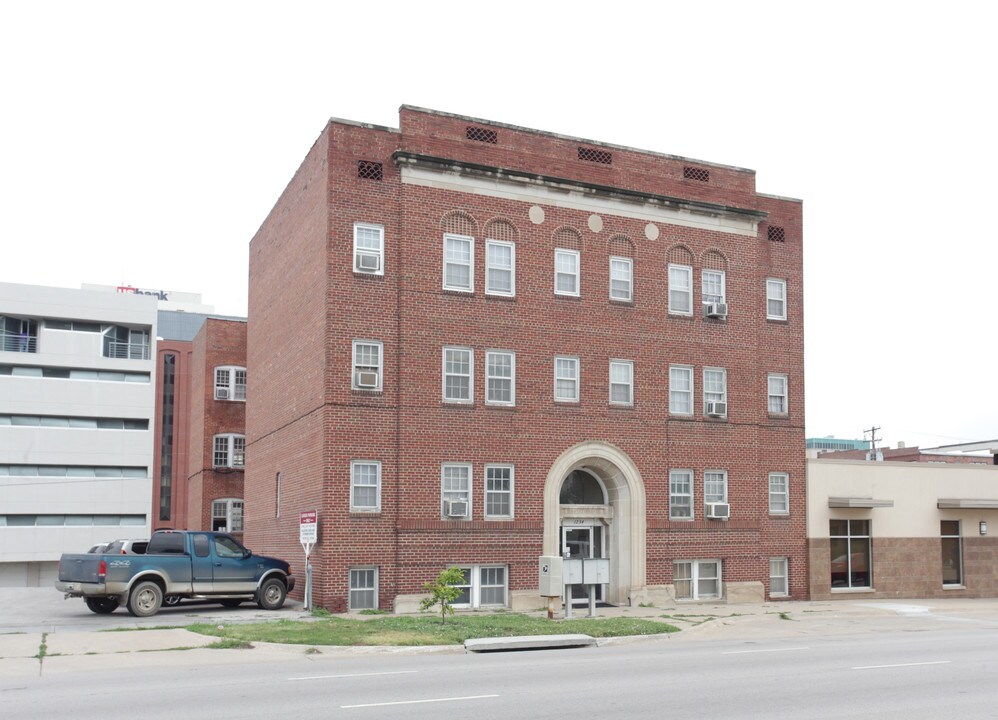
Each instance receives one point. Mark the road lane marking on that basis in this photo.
(878, 667)
(745, 652)
(417, 702)
(352, 675)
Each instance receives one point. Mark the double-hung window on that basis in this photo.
(566, 379)
(459, 262)
(621, 279)
(566, 272)
(697, 579)
(500, 268)
(681, 494)
(366, 365)
(777, 390)
(498, 491)
(715, 486)
(369, 249)
(621, 382)
(681, 390)
(712, 287)
(458, 385)
(776, 299)
(778, 585)
(779, 493)
(500, 377)
(230, 383)
(228, 450)
(680, 290)
(365, 485)
(364, 588)
(455, 490)
(715, 391)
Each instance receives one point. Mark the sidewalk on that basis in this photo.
(59, 651)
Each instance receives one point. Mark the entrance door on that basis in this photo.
(583, 541)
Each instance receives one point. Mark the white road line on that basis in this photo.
(878, 667)
(416, 702)
(746, 652)
(353, 675)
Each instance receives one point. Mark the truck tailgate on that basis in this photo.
(79, 568)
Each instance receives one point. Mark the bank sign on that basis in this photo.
(129, 290)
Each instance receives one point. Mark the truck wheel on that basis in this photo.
(102, 605)
(271, 594)
(172, 600)
(145, 599)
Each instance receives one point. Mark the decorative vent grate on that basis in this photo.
(596, 156)
(482, 135)
(776, 234)
(367, 170)
(695, 173)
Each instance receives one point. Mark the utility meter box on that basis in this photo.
(549, 576)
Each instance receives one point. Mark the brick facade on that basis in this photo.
(537, 191)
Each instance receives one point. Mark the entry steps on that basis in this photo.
(528, 642)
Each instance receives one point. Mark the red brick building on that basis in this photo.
(475, 344)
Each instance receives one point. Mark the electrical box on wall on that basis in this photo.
(549, 576)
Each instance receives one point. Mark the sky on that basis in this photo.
(143, 143)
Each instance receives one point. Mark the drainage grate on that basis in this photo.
(695, 173)
(482, 135)
(368, 170)
(776, 234)
(596, 156)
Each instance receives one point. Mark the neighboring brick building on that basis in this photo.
(474, 344)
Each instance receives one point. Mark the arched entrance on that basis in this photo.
(605, 494)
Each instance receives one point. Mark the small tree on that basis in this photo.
(443, 591)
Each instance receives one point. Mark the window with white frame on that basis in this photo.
(459, 259)
(566, 272)
(483, 586)
(500, 377)
(228, 450)
(369, 249)
(367, 364)
(849, 551)
(455, 490)
(715, 391)
(227, 515)
(680, 290)
(230, 383)
(779, 493)
(498, 491)
(500, 268)
(681, 390)
(365, 485)
(566, 379)
(621, 279)
(697, 579)
(364, 588)
(777, 393)
(681, 494)
(952, 552)
(778, 585)
(715, 486)
(712, 287)
(458, 386)
(776, 299)
(621, 382)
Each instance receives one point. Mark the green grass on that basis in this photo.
(425, 630)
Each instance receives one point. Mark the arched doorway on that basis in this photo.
(594, 502)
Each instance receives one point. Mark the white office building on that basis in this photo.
(77, 409)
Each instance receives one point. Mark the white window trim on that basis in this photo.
(724, 478)
(230, 454)
(630, 278)
(703, 289)
(786, 402)
(230, 384)
(785, 562)
(377, 486)
(379, 369)
(512, 269)
(688, 474)
(689, 288)
(230, 513)
(486, 491)
(691, 392)
(350, 591)
(475, 587)
(785, 493)
(357, 251)
(444, 375)
(724, 392)
(577, 378)
(469, 492)
(577, 274)
(630, 383)
(471, 263)
(695, 579)
(512, 378)
(782, 284)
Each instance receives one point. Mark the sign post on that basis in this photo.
(308, 535)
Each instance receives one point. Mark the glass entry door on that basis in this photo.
(583, 541)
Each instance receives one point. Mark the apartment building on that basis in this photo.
(474, 344)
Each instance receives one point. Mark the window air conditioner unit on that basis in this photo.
(221, 393)
(717, 409)
(367, 379)
(368, 262)
(716, 310)
(457, 508)
(718, 511)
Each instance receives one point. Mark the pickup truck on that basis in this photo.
(177, 564)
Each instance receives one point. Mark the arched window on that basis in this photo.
(582, 488)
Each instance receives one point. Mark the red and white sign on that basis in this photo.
(308, 527)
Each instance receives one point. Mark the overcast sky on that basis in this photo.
(143, 143)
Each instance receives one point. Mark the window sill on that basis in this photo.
(368, 275)
(852, 591)
(621, 303)
(361, 512)
(778, 321)
(500, 296)
(566, 296)
(954, 587)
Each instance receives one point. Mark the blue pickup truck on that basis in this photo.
(177, 564)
